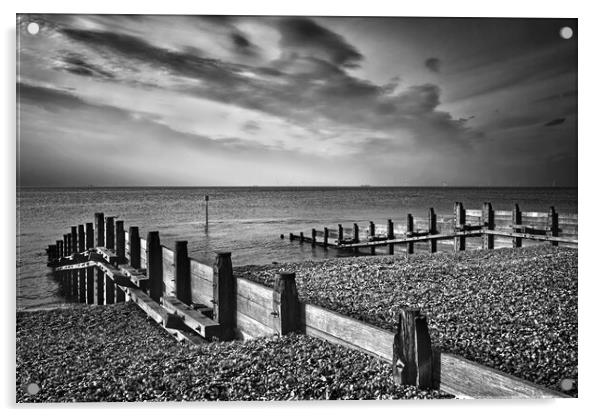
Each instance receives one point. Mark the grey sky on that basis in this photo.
(192, 100)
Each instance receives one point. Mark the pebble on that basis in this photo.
(511, 309)
(115, 353)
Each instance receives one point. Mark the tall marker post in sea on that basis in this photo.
(206, 212)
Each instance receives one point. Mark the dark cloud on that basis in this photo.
(514, 122)
(132, 47)
(242, 44)
(75, 64)
(301, 89)
(304, 36)
(555, 122)
(554, 97)
(433, 64)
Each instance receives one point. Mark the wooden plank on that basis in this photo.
(461, 377)
(474, 213)
(365, 336)
(256, 311)
(194, 319)
(535, 214)
(500, 214)
(202, 292)
(107, 254)
(260, 294)
(152, 308)
(457, 376)
(568, 219)
(251, 327)
(530, 236)
(200, 270)
(441, 236)
(169, 268)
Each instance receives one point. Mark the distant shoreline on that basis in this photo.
(288, 187)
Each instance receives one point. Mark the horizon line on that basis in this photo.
(297, 186)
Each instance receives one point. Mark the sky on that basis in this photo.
(113, 100)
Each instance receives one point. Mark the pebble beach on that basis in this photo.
(115, 353)
(512, 309)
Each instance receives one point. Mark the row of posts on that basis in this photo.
(92, 286)
(487, 223)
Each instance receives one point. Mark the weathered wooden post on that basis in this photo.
(459, 223)
(89, 236)
(80, 274)
(182, 272)
(301, 237)
(326, 238)
(134, 243)
(120, 242)
(410, 233)
(74, 240)
(286, 306)
(432, 229)
(81, 284)
(121, 259)
(390, 235)
(553, 224)
(341, 234)
(110, 232)
(90, 270)
(517, 219)
(291, 237)
(154, 265)
(412, 351)
(51, 252)
(372, 234)
(59, 248)
(488, 224)
(109, 290)
(99, 287)
(67, 244)
(99, 225)
(66, 275)
(224, 294)
(73, 274)
(313, 237)
(356, 236)
(81, 238)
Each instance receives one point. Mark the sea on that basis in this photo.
(247, 221)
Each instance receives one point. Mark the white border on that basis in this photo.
(589, 189)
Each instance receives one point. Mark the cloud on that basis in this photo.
(555, 122)
(303, 36)
(308, 85)
(76, 64)
(567, 94)
(242, 44)
(433, 64)
(251, 126)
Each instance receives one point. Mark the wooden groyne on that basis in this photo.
(490, 225)
(101, 263)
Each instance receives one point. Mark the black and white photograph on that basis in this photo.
(241, 207)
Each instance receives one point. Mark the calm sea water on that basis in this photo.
(246, 221)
